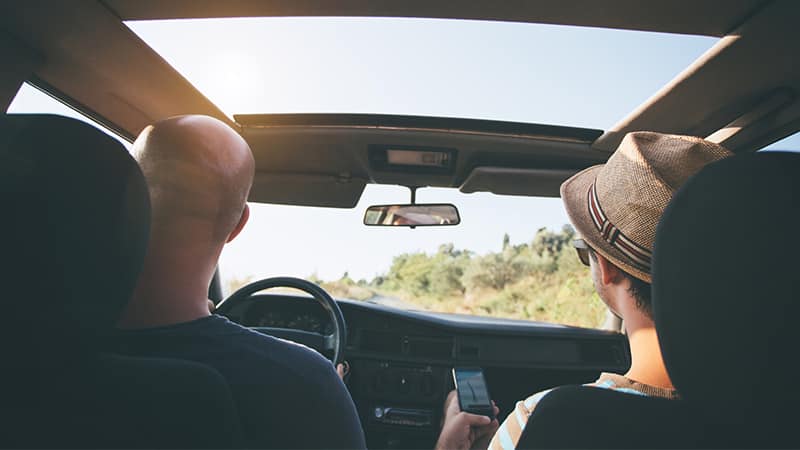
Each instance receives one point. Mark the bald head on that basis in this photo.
(199, 171)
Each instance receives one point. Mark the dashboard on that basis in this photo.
(401, 361)
(292, 314)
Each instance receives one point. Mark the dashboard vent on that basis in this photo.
(468, 351)
(380, 341)
(398, 344)
(429, 348)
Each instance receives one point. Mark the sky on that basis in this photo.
(532, 73)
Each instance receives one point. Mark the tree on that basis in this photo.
(546, 242)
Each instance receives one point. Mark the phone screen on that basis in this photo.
(473, 394)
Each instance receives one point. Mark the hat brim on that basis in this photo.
(574, 194)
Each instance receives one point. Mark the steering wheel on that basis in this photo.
(334, 342)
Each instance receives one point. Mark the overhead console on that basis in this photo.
(327, 159)
(515, 181)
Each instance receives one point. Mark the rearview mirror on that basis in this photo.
(416, 215)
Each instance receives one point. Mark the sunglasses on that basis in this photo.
(583, 250)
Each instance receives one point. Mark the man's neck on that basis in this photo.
(647, 366)
(172, 288)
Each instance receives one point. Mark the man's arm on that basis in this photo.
(333, 421)
(307, 407)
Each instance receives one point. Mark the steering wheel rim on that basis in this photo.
(335, 341)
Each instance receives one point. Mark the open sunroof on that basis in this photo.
(515, 72)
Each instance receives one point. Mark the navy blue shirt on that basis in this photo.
(288, 395)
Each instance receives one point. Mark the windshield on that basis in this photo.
(509, 257)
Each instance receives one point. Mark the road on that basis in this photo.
(392, 301)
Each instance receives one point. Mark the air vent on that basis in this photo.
(414, 346)
(468, 351)
(380, 341)
(429, 348)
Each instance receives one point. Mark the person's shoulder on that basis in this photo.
(279, 354)
(300, 358)
(211, 325)
(531, 401)
(624, 384)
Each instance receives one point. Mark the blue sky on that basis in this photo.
(490, 70)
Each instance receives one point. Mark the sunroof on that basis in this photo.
(575, 76)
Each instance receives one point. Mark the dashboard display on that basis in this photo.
(292, 316)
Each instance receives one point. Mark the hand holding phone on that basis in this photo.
(473, 393)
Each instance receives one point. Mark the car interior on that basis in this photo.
(729, 358)
(62, 389)
(718, 357)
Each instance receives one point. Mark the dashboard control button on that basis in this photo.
(403, 386)
(427, 385)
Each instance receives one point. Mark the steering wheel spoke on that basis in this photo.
(333, 343)
(329, 342)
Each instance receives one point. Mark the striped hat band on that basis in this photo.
(639, 255)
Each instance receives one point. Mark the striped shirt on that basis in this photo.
(510, 431)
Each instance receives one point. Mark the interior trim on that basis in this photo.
(81, 109)
(421, 123)
(19, 62)
(728, 81)
(700, 17)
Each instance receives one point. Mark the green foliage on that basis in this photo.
(541, 280)
(496, 270)
(546, 242)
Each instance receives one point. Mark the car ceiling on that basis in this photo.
(743, 92)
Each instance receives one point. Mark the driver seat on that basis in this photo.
(725, 302)
(75, 226)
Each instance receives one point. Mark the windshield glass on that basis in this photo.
(510, 256)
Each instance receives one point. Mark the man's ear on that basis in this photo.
(242, 220)
(609, 273)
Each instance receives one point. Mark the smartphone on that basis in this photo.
(473, 394)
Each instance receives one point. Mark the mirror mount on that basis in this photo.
(413, 190)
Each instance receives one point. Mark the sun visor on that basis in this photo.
(513, 181)
(307, 190)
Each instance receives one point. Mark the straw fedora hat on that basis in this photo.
(616, 206)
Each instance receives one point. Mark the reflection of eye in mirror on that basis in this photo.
(412, 215)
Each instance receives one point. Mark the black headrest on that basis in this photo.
(75, 225)
(590, 417)
(726, 297)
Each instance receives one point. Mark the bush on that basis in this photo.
(542, 281)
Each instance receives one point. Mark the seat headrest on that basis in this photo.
(725, 287)
(75, 225)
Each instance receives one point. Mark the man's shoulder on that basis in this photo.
(624, 384)
(532, 400)
(216, 341)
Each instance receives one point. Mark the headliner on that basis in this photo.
(748, 84)
(701, 17)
